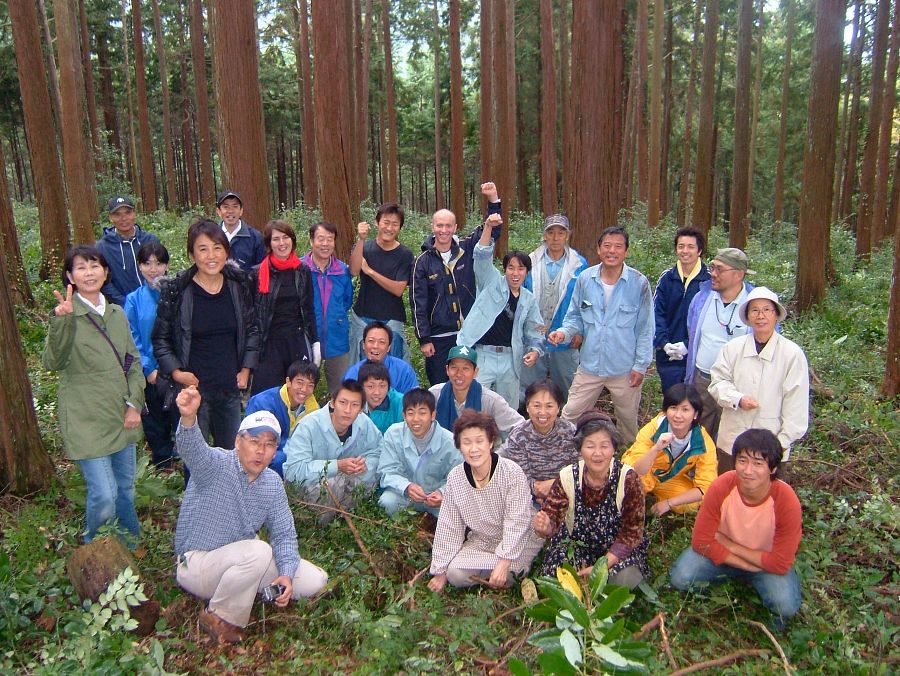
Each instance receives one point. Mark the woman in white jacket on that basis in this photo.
(761, 379)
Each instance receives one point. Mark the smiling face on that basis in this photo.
(376, 344)
(443, 225)
(515, 274)
(255, 452)
(475, 446)
(123, 219)
(687, 252)
(345, 406)
(376, 391)
(681, 418)
(762, 315)
(299, 389)
(556, 238)
(152, 270)
(322, 245)
(613, 250)
(230, 211)
(87, 276)
(754, 478)
(543, 411)
(597, 451)
(208, 255)
(281, 244)
(418, 419)
(388, 229)
(461, 373)
(725, 279)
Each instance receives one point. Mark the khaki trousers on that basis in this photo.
(231, 576)
(585, 390)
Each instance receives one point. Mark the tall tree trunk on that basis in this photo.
(640, 119)
(894, 209)
(684, 184)
(890, 386)
(148, 176)
(242, 131)
(757, 87)
(879, 202)
(665, 191)
(131, 153)
(596, 83)
(653, 198)
(308, 149)
(870, 152)
(849, 180)
(51, 63)
(845, 115)
(187, 125)
(629, 135)
(504, 92)
(437, 46)
(89, 89)
(168, 145)
(740, 195)
(778, 208)
(549, 199)
(201, 109)
(486, 72)
(80, 178)
(568, 176)
(332, 115)
(107, 97)
(704, 173)
(10, 254)
(25, 466)
(818, 155)
(457, 118)
(41, 133)
(362, 97)
(392, 170)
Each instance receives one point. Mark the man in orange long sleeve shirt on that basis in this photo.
(749, 527)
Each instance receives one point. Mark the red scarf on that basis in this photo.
(289, 263)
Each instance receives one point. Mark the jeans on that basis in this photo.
(779, 593)
(220, 416)
(110, 491)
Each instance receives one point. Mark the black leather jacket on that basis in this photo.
(172, 331)
(265, 302)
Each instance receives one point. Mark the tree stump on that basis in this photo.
(91, 569)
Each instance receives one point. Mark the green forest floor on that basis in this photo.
(845, 472)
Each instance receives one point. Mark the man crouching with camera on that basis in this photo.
(229, 497)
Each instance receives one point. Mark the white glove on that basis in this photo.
(673, 352)
(316, 353)
(680, 350)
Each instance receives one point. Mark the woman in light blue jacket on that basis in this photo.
(503, 324)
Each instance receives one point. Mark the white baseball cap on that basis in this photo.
(259, 422)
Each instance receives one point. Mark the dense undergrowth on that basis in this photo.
(845, 472)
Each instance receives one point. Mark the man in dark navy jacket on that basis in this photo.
(247, 246)
(119, 245)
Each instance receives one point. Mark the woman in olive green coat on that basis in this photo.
(101, 390)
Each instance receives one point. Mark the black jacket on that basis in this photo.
(441, 297)
(172, 331)
(265, 302)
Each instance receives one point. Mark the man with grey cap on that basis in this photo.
(761, 379)
(119, 246)
(230, 496)
(554, 268)
(712, 321)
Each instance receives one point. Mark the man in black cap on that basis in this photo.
(119, 246)
(247, 246)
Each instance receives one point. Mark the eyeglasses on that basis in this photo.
(255, 443)
(760, 311)
(719, 269)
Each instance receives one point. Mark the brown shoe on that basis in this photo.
(218, 629)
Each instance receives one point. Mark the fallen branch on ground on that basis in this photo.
(356, 535)
(784, 660)
(722, 661)
(665, 640)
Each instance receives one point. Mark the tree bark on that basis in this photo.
(740, 195)
(880, 228)
(549, 199)
(757, 86)
(870, 152)
(362, 98)
(819, 154)
(486, 66)
(25, 466)
(332, 116)
(890, 386)
(684, 184)
(439, 202)
(568, 177)
(10, 254)
(640, 120)
(201, 108)
(187, 125)
(242, 132)
(705, 170)
(653, 197)
(457, 119)
(392, 171)
(41, 133)
(505, 91)
(107, 97)
(665, 190)
(80, 178)
(596, 82)
(168, 145)
(778, 207)
(308, 149)
(131, 154)
(51, 64)
(148, 175)
(89, 89)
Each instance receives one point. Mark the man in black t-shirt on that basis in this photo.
(384, 266)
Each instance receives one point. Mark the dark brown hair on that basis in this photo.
(283, 227)
(472, 419)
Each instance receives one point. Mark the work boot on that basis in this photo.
(218, 629)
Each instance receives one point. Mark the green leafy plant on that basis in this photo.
(586, 638)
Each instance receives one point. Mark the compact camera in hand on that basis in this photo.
(272, 592)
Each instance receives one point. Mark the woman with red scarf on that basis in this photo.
(285, 310)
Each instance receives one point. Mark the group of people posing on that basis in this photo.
(546, 336)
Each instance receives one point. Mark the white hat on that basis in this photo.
(761, 293)
(259, 422)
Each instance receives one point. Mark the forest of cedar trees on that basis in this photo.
(729, 115)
